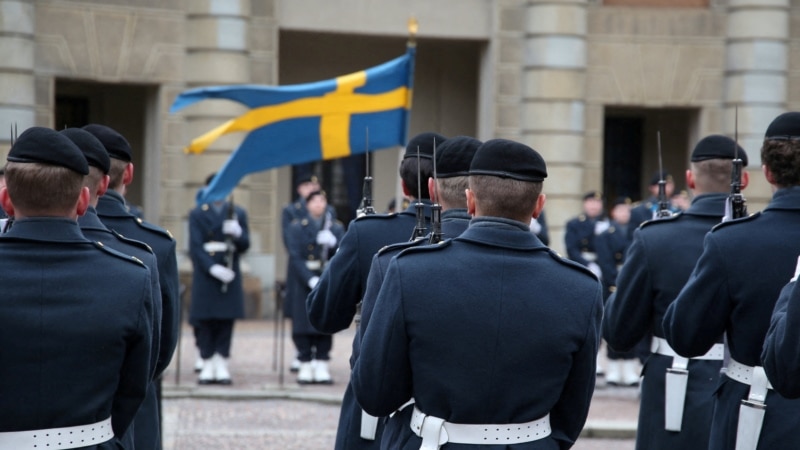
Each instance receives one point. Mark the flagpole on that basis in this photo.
(413, 28)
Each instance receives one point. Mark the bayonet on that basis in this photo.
(436, 209)
(736, 205)
(663, 202)
(366, 200)
(419, 230)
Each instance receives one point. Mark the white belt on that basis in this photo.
(589, 256)
(435, 432)
(313, 264)
(753, 409)
(744, 374)
(58, 438)
(661, 346)
(215, 246)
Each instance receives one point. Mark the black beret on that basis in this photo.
(92, 149)
(508, 159)
(46, 146)
(309, 178)
(718, 147)
(116, 145)
(657, 176)
(424, 142)
(622, 200)
(454, 156)
(591, 195)
(784, 127)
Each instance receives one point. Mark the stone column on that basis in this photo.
(756, 77)
(553, 110)
(17, 80)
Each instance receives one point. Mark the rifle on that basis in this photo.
(420, 230)
(436, 209)
(663, 203)
(366, 201)
(229, 244)
(735, 204)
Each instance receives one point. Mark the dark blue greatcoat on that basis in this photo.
(208, 300)
(579, 238)
(297, 211)
(79, 353)
(733, 290)
(331, 305)
(611, 246)
(781, 355)
(145, 431)
(348, 436)
(303, 253)
(114, 214)
(490, 327)
(658, 264)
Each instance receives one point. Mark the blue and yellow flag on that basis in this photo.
(308, 122)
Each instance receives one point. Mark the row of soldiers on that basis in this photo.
(89, 313)
(489, 338)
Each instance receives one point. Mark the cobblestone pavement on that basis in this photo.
(260, 412)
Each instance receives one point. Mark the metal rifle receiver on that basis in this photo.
(663, 203)
(436, 209)
(735, 205)
(366, 201)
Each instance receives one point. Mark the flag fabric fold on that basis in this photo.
(307, 122)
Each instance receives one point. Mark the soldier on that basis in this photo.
(332, 303)
(113, 213)
(312, 240)
(218, 236)
(579, 237)
(733, 290)
(147, 428)
(490, 332)
(658, 264)
(80, 362)
(453, 158)
(611, 245)
(646, 210)
(780, 355)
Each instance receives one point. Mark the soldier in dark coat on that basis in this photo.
(80, 362)
(647, 209)
(780, 356)
(146, 429)
(658, 264)
(453, 158)
(218, 236)
(114, 213)
(733, 290)
(581, 231)
(312, 241)
(490, 332)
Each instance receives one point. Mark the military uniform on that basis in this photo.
(425, 331)
(611, 246)
(579, 239)
(732, 291)
(780, 354)
(307, 260)
(659, 262)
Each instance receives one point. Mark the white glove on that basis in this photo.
(536, 227)
(595, 269)
(325, 237)
(796, 270)
(231, 227)
(600, 226)
(222, 273)
(313, 282)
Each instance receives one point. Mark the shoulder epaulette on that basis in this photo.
(425, 248)
(133, 242)
(149, 226)
(118, 254)
(647, 223)
(396, 246)
(375, 216)
(735, 221)
(570, 263)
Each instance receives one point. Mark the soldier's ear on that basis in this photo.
(689, 179)
(83, 201)
(470, 202)
(127, 175)
(5, 202)
(745, 178)
(434, 194)
(540, 201)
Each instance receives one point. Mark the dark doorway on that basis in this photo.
(622, 158)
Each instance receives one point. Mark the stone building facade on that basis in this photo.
(588, 83)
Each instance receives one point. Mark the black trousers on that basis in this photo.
(313, 346)
(214, 336)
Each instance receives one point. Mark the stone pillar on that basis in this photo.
(17, 81)
(756, 76)
(553, 110)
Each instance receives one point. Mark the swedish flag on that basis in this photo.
(308, 122)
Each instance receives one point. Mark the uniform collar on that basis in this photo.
(46, 229)
(708, 205)
(456, 213)
(785, 198)
(90, 220)
(412, 209)
(112, 203)
(500, 232)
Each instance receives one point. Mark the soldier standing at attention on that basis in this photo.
(312, 240)
(80, 362)
(646, 210)
(218, 235)
(732, 292)
(147, 427)
(494, 335)
(114, 213)
(659, 262)
(581, 232)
